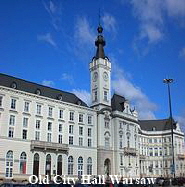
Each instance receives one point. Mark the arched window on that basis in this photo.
(9, 164)
(23, 163)
(59, 165)
(48, 164)
(80, 166)
(107, 166)
(89, 166)
(70, 165)
(36, 164)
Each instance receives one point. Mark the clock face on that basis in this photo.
(95, 76)
(105, 76)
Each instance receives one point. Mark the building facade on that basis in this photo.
(48, 131)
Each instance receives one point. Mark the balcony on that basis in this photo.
(49, 146)
(181, 156)
(142, 157)
(129, 151)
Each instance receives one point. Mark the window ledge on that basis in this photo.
(14, 111)
(71, 122)
(62, 120)
(1, 109)
(26, 113)
(50, 118)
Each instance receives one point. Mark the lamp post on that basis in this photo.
(168, 81)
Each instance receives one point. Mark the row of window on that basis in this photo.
(105, 96)
(155, 140)
(50, 111)
(10, 162)
(36, 160)
(38, 125)
(49, 137)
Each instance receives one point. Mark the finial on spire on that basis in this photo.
(100, 29)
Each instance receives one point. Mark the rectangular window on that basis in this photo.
(70, 140)
(160, 151)
(24, 134)
(156, 151)
(50, 112)
(71, 116)
(39, 107)
(13, 104)
(105, 96)
(165, 151)
(89, 142)
(81, 131)
(121, 125)
(121, 142)
(155, 140)
(60, 128)
(107, 143)
(25, 122)
(121, 160)
(89, 132)
(49, 126)
(151, 152)
(37, 124)
(1, 101)
(80, 118)
(95, 96)
(107, 124)
(70, 129)
(11, 132)
(26, 106)
(49, 137)
(59, 138)
(12, 120)
(80, 141)
(89, 120)
(37, 135)
(60, 114)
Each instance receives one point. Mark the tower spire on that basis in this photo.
(100, 42)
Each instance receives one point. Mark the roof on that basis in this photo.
(34, 88)
(155, 125)
(117, 103)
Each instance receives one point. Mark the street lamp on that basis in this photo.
(168, 81)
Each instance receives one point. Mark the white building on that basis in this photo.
(49, 131)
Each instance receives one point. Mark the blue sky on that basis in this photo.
(52, 42)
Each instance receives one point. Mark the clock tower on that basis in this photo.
(100, 69)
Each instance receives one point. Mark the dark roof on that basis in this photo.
(117, 103)
(155, 125)
(30, 87)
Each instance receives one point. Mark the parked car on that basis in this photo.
(159, 181)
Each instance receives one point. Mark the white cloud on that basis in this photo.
(181, 121)
(83, 95)
(54, 10)
(68, 78)
(84, 34)
(175, 7)
(151, 32)
(47, 38)
(109, 23)
(48, 83)
(151, 15)
(182, 53)
(124, 87)
(84, 38)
